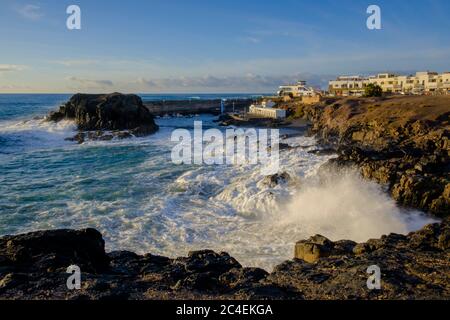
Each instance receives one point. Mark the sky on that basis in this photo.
(187, 46)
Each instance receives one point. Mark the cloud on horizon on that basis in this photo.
(14, 87)
(11, 67)
(88, 83)
(249, 82)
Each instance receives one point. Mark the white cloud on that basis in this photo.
(250, 39)
(30, 12)
(88, 83)
(11, 87)
(147, 83)
(11, 67)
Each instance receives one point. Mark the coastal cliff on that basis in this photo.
(401, 142)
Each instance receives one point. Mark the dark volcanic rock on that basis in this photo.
(54, 250)
(403, 142)
(276, 179)
(313, 249)
(208, 261)
(416, 266)
(242, 277)
(115, 112)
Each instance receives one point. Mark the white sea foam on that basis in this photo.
(230, 208)
(344, 206)
(263, 223)
(36, 125)
(37, 133)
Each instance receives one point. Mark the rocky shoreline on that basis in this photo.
(400, 142)
(416, 266)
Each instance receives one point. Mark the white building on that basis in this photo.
(420, 83)
(348, 85)
(296, 90)
(266, 110)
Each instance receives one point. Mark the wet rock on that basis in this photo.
(276, 179)
(283, 146)
(107, 112)
(82, 137)
(124, 135)
(323, 152)
(79, 138)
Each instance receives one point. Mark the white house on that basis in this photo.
(296, 90)
(266, 110)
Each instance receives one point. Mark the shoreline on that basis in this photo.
(34, 266)
(322, 269)
(400, 142)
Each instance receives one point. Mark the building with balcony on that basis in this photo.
(348, 86)
(420, 83)
(296, 90)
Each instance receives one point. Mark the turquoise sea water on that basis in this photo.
(132, 192)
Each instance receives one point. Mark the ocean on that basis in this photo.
(132, 192)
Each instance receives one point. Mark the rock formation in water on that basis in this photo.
(123, 115)
(416, 266)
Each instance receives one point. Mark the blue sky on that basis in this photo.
(213, 46)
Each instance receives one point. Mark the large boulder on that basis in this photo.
(107, 112)
(55, 250)
(313, 249)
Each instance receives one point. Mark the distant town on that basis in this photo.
(288, 99)
(422, 83)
